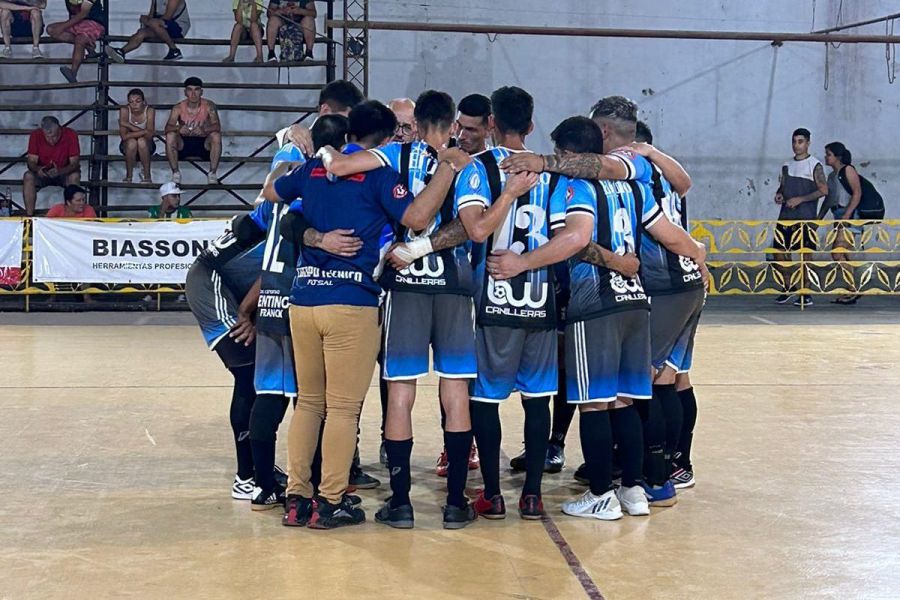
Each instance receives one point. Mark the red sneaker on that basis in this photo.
(474, 460)
(531, 507)
(442, 464)
(494, 508)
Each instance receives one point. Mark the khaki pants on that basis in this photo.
(335, 348)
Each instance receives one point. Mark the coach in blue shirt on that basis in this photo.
(334, 309)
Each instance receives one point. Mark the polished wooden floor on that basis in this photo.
(116, 465)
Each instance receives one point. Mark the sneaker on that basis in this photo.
(36, 52)
(280, 476)
(382, 455)
(242, 489)
(493, 508)
(531, 507)
(69, 74)
(329, 516)
(605, 507)
(633, 500)
(682, 478)
(474, 459)
(401, 517)
(803, 301)
(6, 52)
(354, 500)
(556, 459)
(115, 54)
(581, 475)
(443, 464)
(660, 495)
(517, 463)
(174, 54)
(362, 481)
(297, 510)
(457, 518)
(266, 501)
(271, 57)
(784, 298)
(212, 178)
(176, 176)
(308, 55)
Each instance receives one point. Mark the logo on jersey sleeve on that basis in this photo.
(400, 191)
(570, 194)
(474, 180)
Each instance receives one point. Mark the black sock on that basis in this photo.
(486, 426)
(656, 471)
(383, 392)
(689, 406)
(458, 444)
(563, 412)
(242, 398)
(627, 433)
(399, 452)
(315, 468)
(443, 414)
(596, 444)
(537, 429)
(266, 416)
(674, 415)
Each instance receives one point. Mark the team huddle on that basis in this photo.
(397, 240)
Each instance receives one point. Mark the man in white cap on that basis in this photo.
(170, 204)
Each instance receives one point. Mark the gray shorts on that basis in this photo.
(413, 322)
(673, 323)
(511, 359)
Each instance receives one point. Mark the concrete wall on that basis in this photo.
(726, 109)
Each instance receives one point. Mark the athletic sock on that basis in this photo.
(383, 392)
(267, 414)
(443, 413)
(458, 444)
(629, 439)
(563, 412)
(537, 429)
(689, 406)
(596, 445)
(656, 471)
(242, 398)
(674, 416)
(399, 453)
(486, 426)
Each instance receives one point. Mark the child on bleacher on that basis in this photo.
(83, 28)
(247, 22)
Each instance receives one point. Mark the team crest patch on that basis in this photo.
(400, 191)
(474, 181)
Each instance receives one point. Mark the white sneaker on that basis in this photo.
(36, 52)
(633, 500)
(176, 176)
(605, 507)
(212, 178)
(6, 52)
(242, 489)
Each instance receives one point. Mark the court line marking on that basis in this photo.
(762, 320)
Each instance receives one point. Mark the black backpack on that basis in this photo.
(871, 205)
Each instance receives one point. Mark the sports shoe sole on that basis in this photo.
(685, 486)
(239, 496)
(525, 517)
(365, 486)
(552, 469)
(262, 507)
(641, 512)
(458, 524)
(664, 503)
(599, 517)
(491, 517)
(403, 524)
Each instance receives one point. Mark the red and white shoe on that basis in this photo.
(474, 460)
(443, 464)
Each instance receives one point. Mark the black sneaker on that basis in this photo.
(271, 57)
(329, 516)
(297, 510)
(401, 517)
(361, 480)
(353, 499)
(115, 54)
(457, 518)
(174, 54)
(263, 500)
(581, 475)
(784, 298)
(556, 458)
(803, 301)
(517, 463)
(280, 476)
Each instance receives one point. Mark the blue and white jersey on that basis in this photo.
(664, 272)
(287, 153)
(447, 271)
(528, 300)
(619, 211)
(277, 276)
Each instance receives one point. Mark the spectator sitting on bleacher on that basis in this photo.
(73, 206)
(194, 131)
(247, 22)
(21, 18)
(83, 28)
(290, 22)
(53, 160)
(137, 126)
(169, 204)
(171, 23)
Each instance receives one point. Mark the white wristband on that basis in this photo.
(413, 250)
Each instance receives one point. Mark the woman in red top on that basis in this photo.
(74, 205)
(83, 28)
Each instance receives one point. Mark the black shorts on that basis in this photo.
(152, 147)
(195, 148)
(21, 24)
(795, 237)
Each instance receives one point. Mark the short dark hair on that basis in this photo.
(136, 92)
(330, 130)
(193, 81)
(70, 190)
(513, 109)
(802, 131)
(475, 105)
(840, 150)
(578, 134)
(49, 122)
(619, 111)
(371, 121)
(434, 109)
(340, 95)
(642, 133)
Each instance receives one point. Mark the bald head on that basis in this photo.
(403, 109)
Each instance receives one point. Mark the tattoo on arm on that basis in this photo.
(593, 254)
(449, 236)
(583, 166)
(312, 238)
